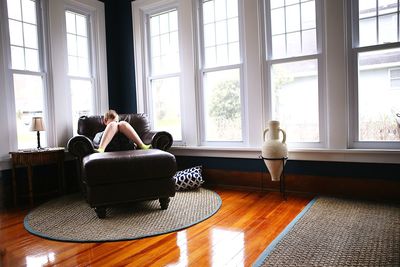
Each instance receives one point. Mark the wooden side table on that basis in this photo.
(33, 157)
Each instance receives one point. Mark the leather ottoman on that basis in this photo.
(125, 176)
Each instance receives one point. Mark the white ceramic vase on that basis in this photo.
(274, 150)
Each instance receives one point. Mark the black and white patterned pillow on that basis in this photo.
(188, 179)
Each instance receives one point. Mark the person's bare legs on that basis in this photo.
(109, 132)
(127, 129)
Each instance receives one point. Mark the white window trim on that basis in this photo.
(63, 113)
(352, 46)
(56, 89)
(319, 56)
(336, 97)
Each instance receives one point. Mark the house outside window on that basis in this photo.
(375, 53)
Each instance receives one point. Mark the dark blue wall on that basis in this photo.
(315, 168)
(120, 58)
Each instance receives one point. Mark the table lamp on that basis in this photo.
(37, 125)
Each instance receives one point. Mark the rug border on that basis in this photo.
(30, 230)
(275, 242)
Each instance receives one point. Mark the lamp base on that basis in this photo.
(38, 141)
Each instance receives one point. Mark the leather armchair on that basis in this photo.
(82, 144)
(124, 173)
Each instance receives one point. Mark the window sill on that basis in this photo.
(339, 155)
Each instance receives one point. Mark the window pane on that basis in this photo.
(308, 15)
(387, 6)
(77, 44)
(220, 10)
(293, 44)
(232, 8)
(29, 11)
(279, 46)
(208, 11)
(278, 21)
(387, 28)
(30, 36)
(295, 99)
(70, 22)
(367, 28)
(293, 29)
(222, 104)
(14, 9)
(16, 33)
(164, 43)
(71, 45)
(378, 104)
(81, 100)
(209, 35)
(28, 91)
(221, 32)
(366, 8)
(17, 58)
(293, 18)
(81, 25)
(166, 106)
(386, 20)
(309, 42)
(276, 3)
(82, 45)
(32, 59)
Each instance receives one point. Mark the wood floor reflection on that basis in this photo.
(246, 223)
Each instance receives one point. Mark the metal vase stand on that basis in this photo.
(282, 178)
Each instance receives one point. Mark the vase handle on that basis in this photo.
(284, 135)
(265, 132)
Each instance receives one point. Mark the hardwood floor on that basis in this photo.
(235, 236)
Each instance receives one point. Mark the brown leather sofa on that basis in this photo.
(123, 173)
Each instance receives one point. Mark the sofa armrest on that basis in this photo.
(80, 146)
(161, 140)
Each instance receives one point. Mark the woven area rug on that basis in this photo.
(338, 232)
(70, 218)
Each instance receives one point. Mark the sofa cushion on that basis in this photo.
(128, 166)
(189, 178)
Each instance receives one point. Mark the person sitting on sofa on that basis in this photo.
(113, 126)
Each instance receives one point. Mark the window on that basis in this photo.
(221, 71)
(28, 78)
(60, 83)
(375, 53)
(164, 78)
(294, 68)
(79, 66)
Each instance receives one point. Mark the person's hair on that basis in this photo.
(111, 115)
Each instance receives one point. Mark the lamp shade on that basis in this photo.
(37, 124)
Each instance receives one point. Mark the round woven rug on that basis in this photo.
(71, 219)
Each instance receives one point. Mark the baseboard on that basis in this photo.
(367, 188)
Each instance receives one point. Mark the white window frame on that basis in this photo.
(203, 70)
(141, 9)
(334, 89)
(52, 44)
(9, 73)
(98, 66)
(150, 77)
(353, 51)
(319, 56)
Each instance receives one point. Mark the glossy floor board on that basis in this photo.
(246, 223)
